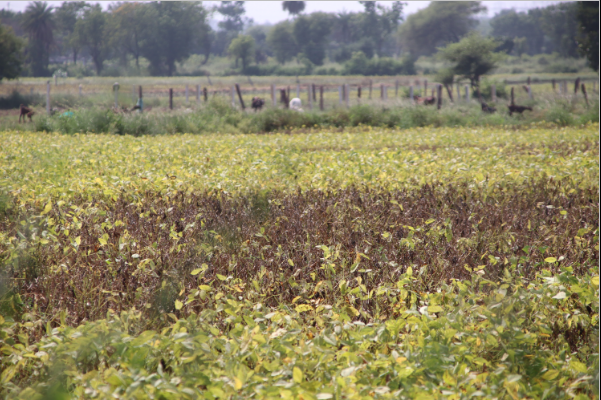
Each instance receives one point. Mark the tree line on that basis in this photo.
(376, 41)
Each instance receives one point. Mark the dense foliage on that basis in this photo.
(373, 263)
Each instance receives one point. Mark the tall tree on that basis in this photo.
(173, 34)
(281, 41)
(242, 48)
(293, 7)
(128, 23)
(91, 31)
(588, 25)
(38, 22)
(66, 17)
(231, 26)
(11, 54)
(379, 22)
(438, 24)
(472, 57)
(509, 24)
(311, 35)
(559, 23)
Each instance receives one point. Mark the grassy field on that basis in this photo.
(319, 264)
(93, 111)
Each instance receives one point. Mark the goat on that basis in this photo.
(518, 109)
(257, 103)
(425, 100)
(487, 108)
(25, 111)
(295, 104)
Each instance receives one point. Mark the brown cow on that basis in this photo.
(25, 111)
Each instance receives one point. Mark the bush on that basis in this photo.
(359, 64)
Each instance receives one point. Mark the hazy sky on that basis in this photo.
(271, 11)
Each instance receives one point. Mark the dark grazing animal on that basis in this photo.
(518, 109)
(25, 111)
(487, 108)
(425, 100)
(257, 103)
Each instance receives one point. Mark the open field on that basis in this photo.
(319, 264)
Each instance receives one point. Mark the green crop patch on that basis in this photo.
(367, 263)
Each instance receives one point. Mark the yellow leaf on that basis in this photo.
(550, 375)
(550, 259)
(237, 383)
(297, 375)
(303, 307)
(78, 240)
(595, 280)
(47, 208)
(178, 305)
(434, 309)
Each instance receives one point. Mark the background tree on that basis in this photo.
(379, 21)
(509, 24)
(38, 22)
(587, 15)
(128, 23)
(259, 34)
(560, 25)
(66, 17)
(11, 54)
(293, 7)
(437, 25)
(242, 48)
(91, 31)
(174, 32)
(472, 57)
(231, 26)
(311, 35)
(281, 41)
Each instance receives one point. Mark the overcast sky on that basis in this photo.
(271, 11)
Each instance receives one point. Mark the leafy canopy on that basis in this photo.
(472, 57)
(242, 48)
(11, 54)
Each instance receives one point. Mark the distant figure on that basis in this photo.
(25, 111)
(295, 104)
(257, 103)
(518, 109)
(486, 108)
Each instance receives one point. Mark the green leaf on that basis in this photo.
(435, 309)
(550, 375)
(578, 366)
(550, 260)
(178, 305)
(47, 208)
(221, 277)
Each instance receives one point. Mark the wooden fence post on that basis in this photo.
(314, 91)
(553, 84)
(80, 94)
(467, 93)
(240, 96)
(528, 81)
(381, 91)
(512, 97)
(576, 85)
(530, 92)
(273, 99)
(187, 98)
(583, 88)
(493, 93)
(298, 90)
(339, 95)
(411, 92)
(284, 97)
(55, 79)
(116, 90)
(370, 84)
(347, 94)
(439, 96)
(321, 97)
(205, 92)
(426, 88)
(48, 97)
(140, 101)
(170, 99)
(310, 96)
(450, 91)
(358, 92)
(396, 88)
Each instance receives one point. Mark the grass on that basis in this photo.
(365, 263)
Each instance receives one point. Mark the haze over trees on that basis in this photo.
(155, 37)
